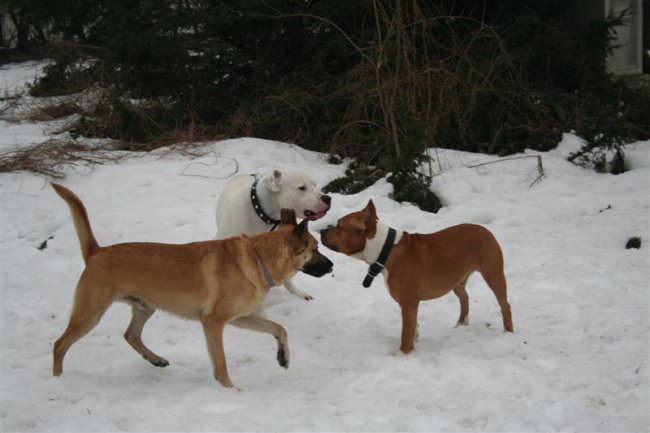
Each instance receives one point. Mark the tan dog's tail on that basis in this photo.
(87, 240)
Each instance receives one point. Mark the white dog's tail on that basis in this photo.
(87, 240)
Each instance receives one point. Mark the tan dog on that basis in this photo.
(422, 266)
(214, 282)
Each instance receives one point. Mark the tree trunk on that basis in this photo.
(22, 30)
(41, 34)
(2, 30)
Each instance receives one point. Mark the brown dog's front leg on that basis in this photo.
(260, 324)
(213, 331)
(409, 326)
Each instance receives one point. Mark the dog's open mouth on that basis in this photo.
(313, 216)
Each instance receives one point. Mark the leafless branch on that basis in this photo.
(540, 167)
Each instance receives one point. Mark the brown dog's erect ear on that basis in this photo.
(370, 208)
(369, 214)
(288, 216)
(301, 230)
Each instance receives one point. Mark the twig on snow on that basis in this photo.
(540, 167)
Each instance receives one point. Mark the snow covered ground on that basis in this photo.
(578, 361)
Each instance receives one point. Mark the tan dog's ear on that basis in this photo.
(301, 230)
(288, 216)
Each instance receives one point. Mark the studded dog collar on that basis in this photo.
(257, 207)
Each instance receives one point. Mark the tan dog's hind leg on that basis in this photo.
(409, 326)
(254, 322)
(89, 306)
(133, 335)
(464, 304)
(497, 282)
(213, 331)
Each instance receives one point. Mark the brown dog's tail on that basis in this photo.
(87, 240)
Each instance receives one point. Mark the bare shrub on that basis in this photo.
(50, 157)
(54, 111)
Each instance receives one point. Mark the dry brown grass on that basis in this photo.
(49, 158)
(183, 138)
(54, 111)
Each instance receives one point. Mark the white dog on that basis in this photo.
(250, 205)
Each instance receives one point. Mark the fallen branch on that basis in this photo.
(216, 161)
(540, 167)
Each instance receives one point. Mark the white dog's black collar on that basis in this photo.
(377, 266)
(257, 207)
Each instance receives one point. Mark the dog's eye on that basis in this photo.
(302, 188)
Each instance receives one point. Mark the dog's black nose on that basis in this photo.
(323, 232)
(326, 199)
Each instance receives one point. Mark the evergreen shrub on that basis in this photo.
(376, 82)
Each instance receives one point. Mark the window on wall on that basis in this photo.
(627, 56)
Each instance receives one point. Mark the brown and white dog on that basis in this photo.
(418, 267)
(215, 282)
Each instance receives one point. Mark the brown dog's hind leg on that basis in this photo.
(409, 326)
(497, 282)
(133, 335)
(464, 304)
(89, 306)
(213, 330)
(257, 323)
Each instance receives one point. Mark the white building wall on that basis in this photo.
(628, 57)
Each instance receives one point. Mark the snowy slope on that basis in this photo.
(578, 360)
(15, 77)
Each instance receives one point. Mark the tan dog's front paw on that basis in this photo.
(304, 295)
(296, 291)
